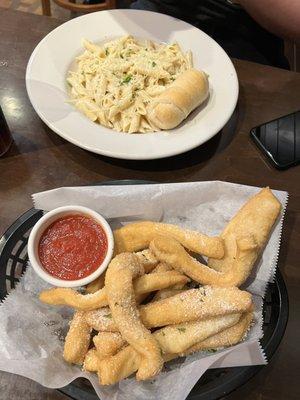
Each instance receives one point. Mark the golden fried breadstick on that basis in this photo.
(127, 361)
(170, 251)
(155, 281)
(120, 366)
(253, 222)
(226, 338)
(101, 320)
(108, 343)
(165, 293)
(162, 267)
(178, 338)
(144, 284)
(194, 304)
(137, 236)
(96, 284)
(72, 298)
(91, 361)
(121, 298)
(147, 259)
(77, 340)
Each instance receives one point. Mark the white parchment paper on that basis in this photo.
(31, 333)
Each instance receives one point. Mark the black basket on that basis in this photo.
(215, 383)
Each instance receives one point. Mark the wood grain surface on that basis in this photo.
(40, 160)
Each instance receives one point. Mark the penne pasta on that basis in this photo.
(114, 83)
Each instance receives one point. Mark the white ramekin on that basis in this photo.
(43, 224)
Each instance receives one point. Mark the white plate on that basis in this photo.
(51, 59)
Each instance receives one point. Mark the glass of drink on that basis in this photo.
(5, 135)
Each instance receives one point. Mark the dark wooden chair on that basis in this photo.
(77, 7)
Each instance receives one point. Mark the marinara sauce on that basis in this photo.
(72, 247)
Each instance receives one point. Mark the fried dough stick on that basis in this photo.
(146, 257)
(178, 338)
(255, 219)
(166, 293)
(137, 236)
(108, 343)
(190, 305)
(101, 320)
(77, 340)
(144, 284)
(121, 298)
(226, 338)
(195, 304)
(170, 251)
(127, 361)
(96, 285)
(245, 236)
(91, 361)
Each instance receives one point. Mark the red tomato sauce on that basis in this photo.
(72, 247)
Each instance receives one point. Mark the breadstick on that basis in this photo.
(137, 236)
(166, 293)
(226, 338)
(91, 361)
(176, 102)
(178, 338)
(101, 320)
(108, 343)
(96, 285)
(72, 298)
(195, 304)
(147, 259)
(144, 284)
(77, 340)
(255, 219)
(162, 267)
(121, 298)
(170, 251)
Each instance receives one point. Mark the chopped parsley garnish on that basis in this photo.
(107, 51)
(181, 329)
(161, 352)
(107, 316)
(211, 350)
(121, 55)
(172, 79)
(153, 63)
(127, 79)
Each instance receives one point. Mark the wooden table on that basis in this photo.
(41, 160)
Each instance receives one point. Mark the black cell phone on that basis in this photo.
(280, 140)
